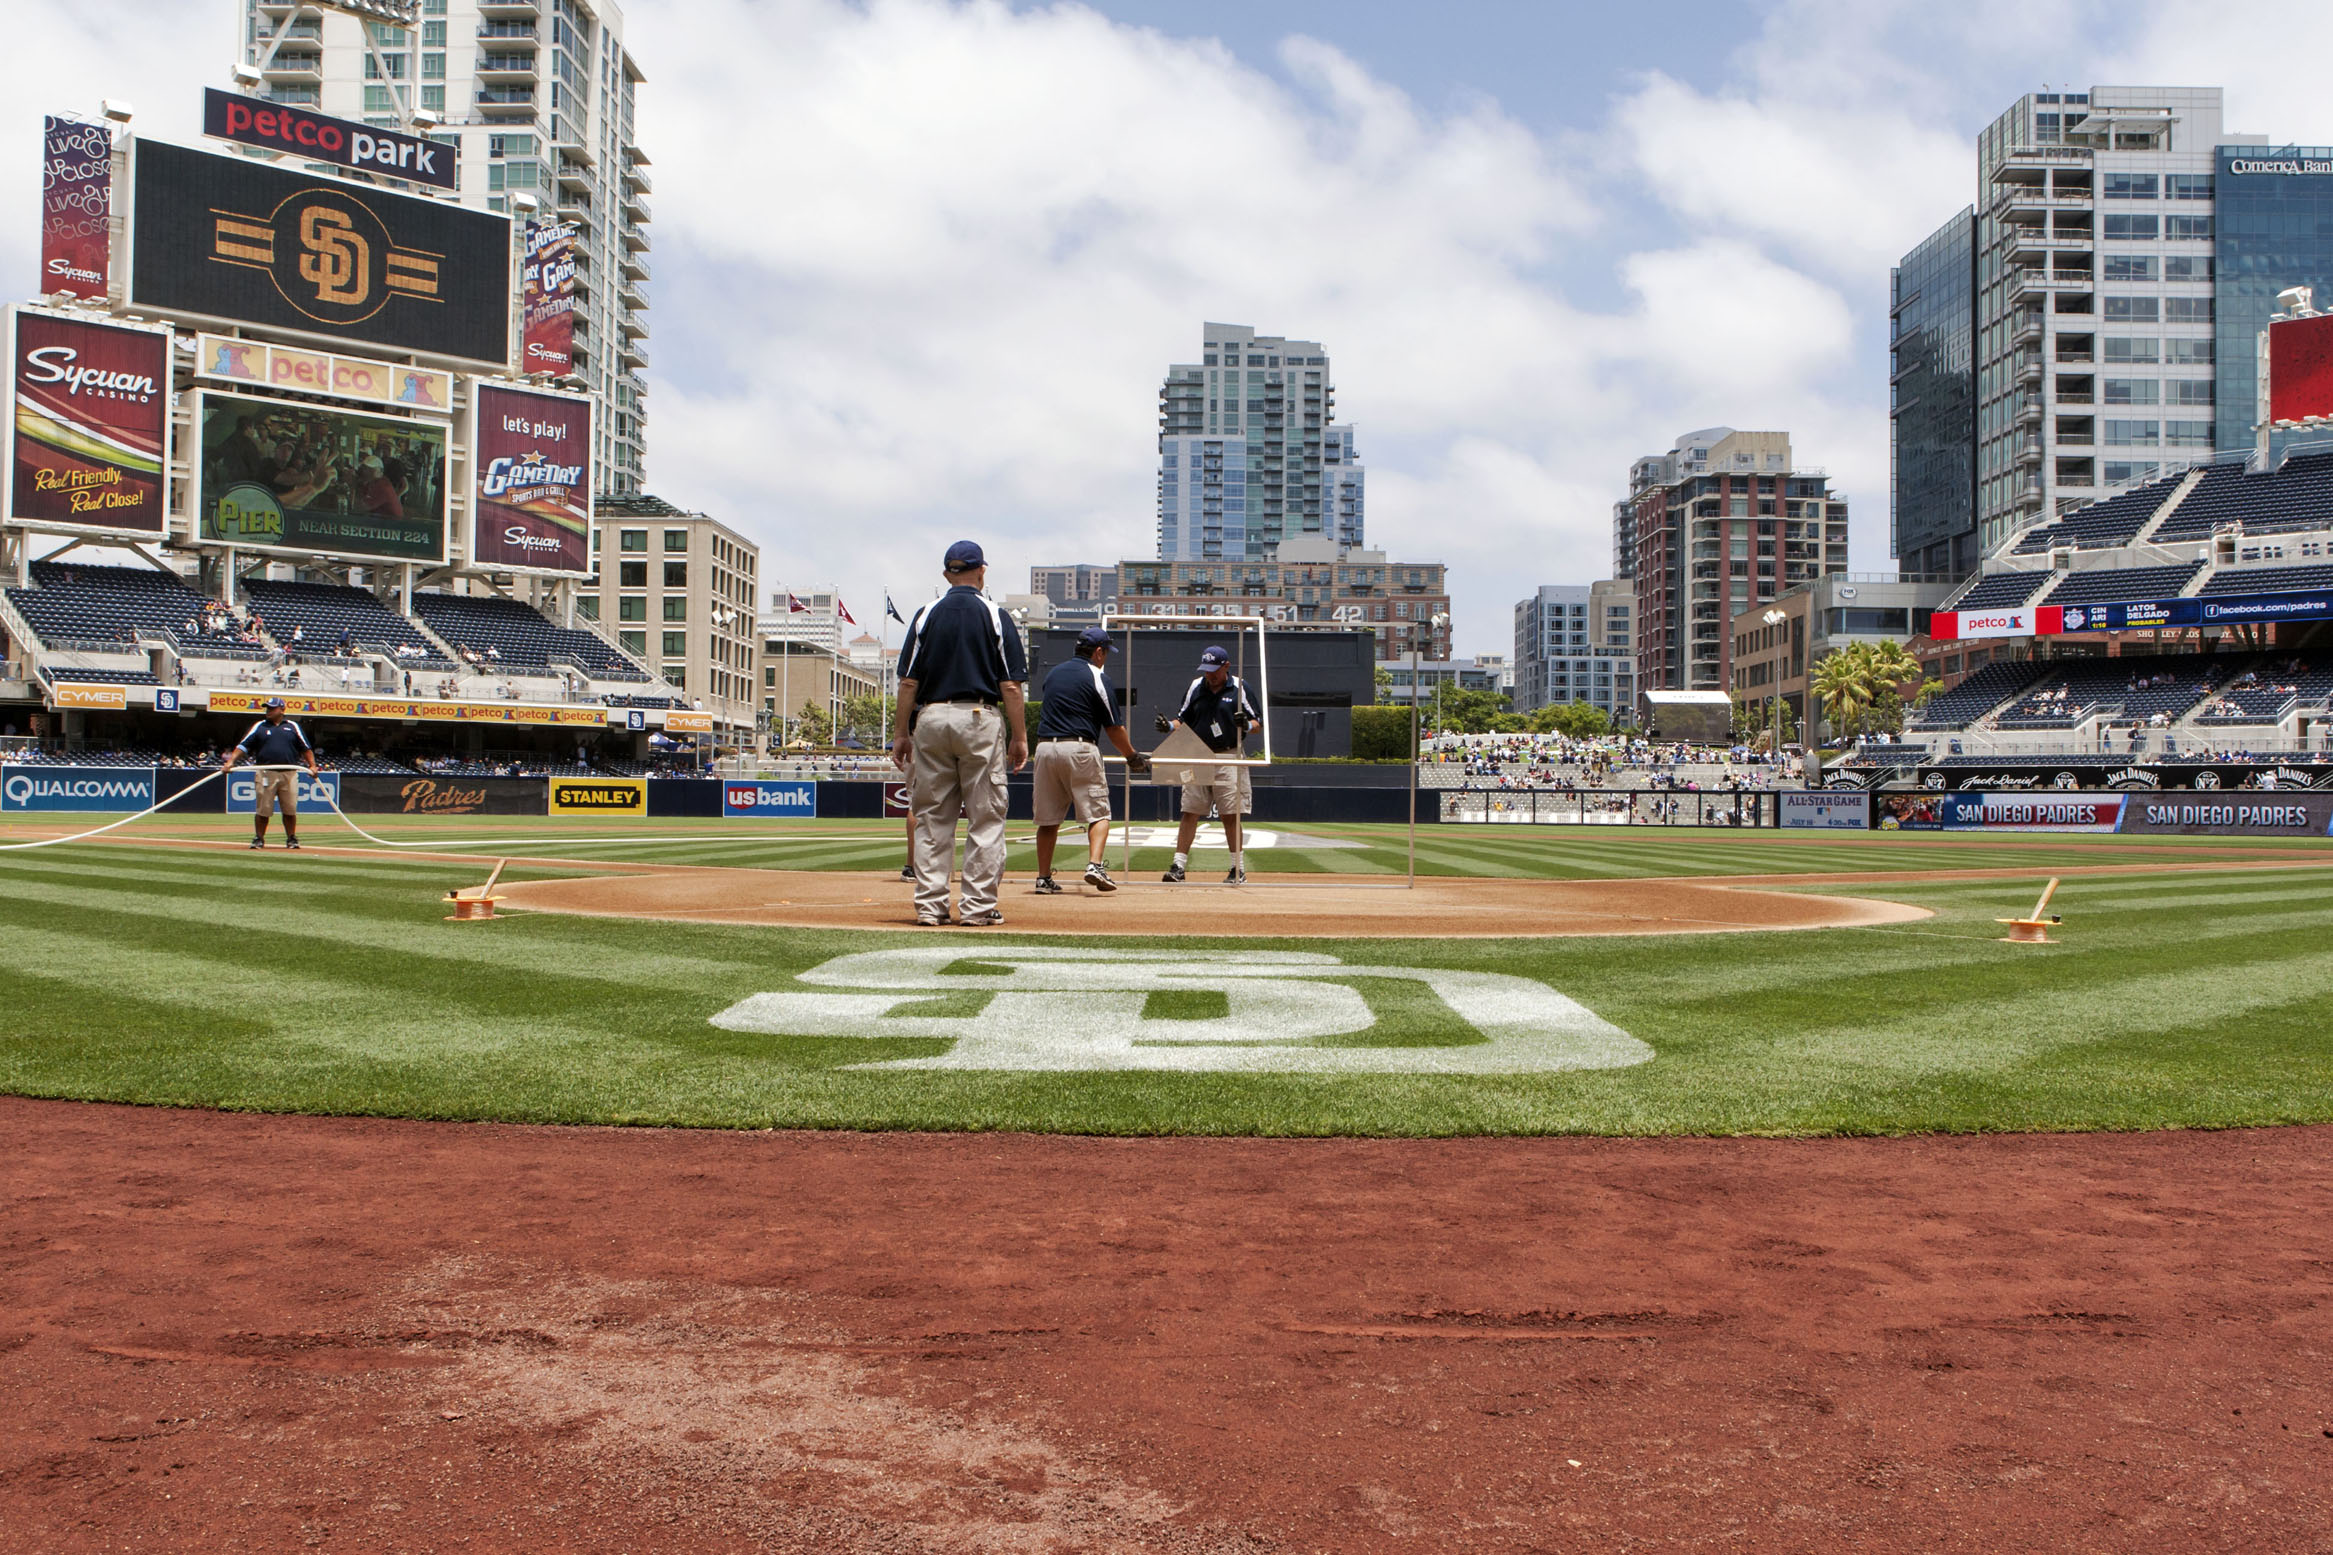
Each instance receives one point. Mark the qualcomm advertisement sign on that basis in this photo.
(770, 799)
(318, 792)
(76, 788)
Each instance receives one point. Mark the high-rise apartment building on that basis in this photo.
(2123, 256)
(1343, 488)
(537, 98)
(678, 589)
(1577, 643)
(1079, 583)
(1723, 519)
(1241, 455)
(1932, 407)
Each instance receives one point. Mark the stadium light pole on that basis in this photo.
(1775, 618)
(1435, 623)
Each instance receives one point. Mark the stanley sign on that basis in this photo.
(599, 796)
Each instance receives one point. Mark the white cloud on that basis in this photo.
(919, 268)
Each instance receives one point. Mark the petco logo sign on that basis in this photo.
(76, 788)
(1066, 1009)
(318, 791)
(774, 799)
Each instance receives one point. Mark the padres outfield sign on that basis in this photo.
(1284, 1012)
(599, 796)
(243, 242)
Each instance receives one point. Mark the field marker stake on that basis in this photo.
(2033, 930)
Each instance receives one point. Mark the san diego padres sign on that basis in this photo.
(1275, 1012)
(244, 242)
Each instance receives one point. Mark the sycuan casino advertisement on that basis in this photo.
(76, 207)
(223, 238)
(531, 504)
(547, 299)
(90, 429)
(281, 476)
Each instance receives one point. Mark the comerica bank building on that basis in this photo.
(2092, 319)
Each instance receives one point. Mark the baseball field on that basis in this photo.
(863, 1285)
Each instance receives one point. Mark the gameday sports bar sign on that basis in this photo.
(530, 498)
(225, 239)
(254, 121)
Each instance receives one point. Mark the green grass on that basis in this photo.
(331, 984)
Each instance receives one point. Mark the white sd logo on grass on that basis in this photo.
(1068, 1009)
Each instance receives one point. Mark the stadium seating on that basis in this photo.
(2268, 580)
(326, 611)
(74, 672)
(1964, 704)
(2071, 690)
(523, 639)
(2120, 583)
(2296, 497)
(2101, 524)
(2000, 590)
(2276, 684)
(71, 603)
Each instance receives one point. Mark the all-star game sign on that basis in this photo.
(530, 497)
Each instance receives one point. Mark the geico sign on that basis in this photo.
(1072, 1009)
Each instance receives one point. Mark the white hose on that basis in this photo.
(51, 842)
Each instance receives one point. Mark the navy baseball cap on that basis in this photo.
(965, 555)
(275, 703)
(1093, 637)
(1214, 658)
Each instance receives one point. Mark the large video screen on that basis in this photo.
(2300, 368)
(243, 242)
(279, 476)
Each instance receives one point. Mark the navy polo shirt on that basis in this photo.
(1078, 703)
(961, 645)
(1221, 718)
(274, 745)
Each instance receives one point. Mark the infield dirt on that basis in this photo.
(1309, 906)
(230, 1332)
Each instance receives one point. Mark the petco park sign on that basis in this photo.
(1071, 1009)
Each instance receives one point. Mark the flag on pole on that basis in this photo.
(843, 610)
(892, 610)
(795, 605)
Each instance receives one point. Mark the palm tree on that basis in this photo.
(1842, 683)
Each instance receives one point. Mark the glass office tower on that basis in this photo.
(2275, 206)
(1932, 402)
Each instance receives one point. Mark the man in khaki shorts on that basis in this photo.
(1078, 706)
(274, 744)
(961, 726)
(1216, 709)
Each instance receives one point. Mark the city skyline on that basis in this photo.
(1524, 287)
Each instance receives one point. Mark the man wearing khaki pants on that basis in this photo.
(274, 744)
(961, 726)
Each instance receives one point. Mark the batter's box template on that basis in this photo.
(1246, 1012)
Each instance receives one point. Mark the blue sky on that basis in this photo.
(920, 265)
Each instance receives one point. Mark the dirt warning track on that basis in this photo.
(235, 1332)
(1294, 906)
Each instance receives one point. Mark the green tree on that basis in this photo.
(1577, 720)
(1381, 733)
(1842, 683)
(1463, 712)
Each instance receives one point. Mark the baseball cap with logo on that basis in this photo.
(275, 704)
(1214, 658)
(1093, 637)
(965, 555)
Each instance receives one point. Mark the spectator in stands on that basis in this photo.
(375, 492)
(345, 646)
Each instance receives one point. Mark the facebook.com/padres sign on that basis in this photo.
(771, 800)
(319, 791)
(76, 788)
